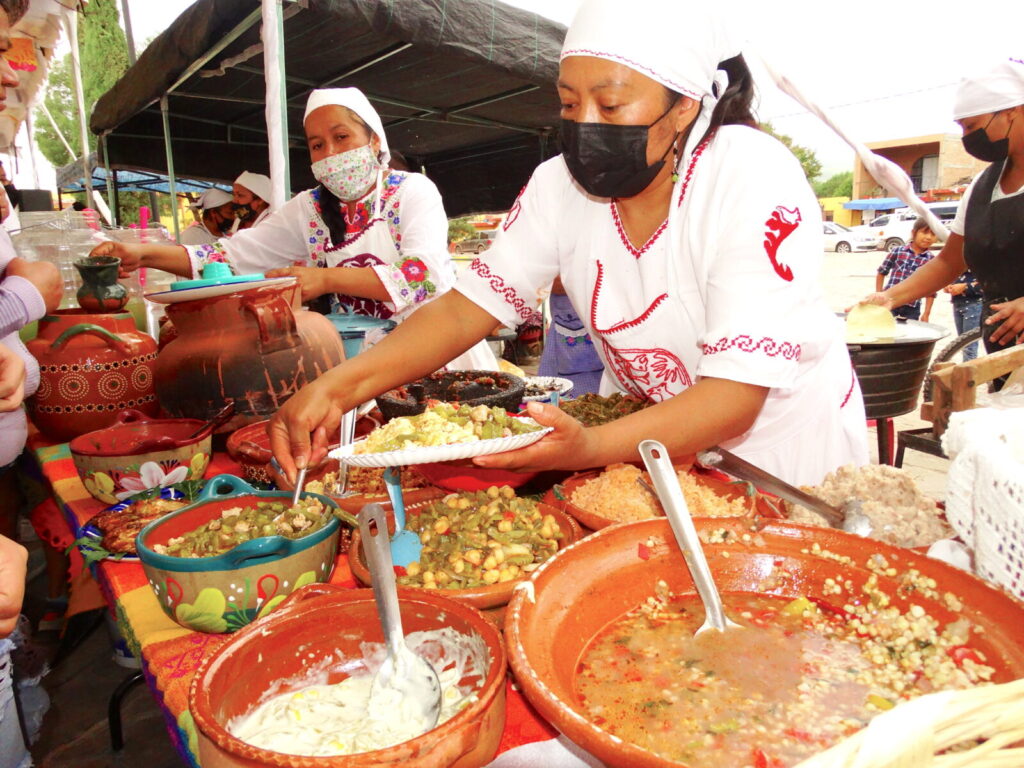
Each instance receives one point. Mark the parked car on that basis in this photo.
(844, 240)
(478, 243)
(893, 229)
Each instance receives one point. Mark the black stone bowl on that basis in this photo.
(470, 387)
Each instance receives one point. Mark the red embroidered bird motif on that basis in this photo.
(780, 225)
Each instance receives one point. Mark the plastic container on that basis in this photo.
(353, 330)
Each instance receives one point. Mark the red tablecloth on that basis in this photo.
(170, 653)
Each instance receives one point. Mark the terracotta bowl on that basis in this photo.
(321, 621)
(560, 496)
(580, 591)
(226, 592)
(139, 452)
(490, 596)
(464, 476)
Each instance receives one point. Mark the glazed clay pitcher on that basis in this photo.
(91, 367)
(255, 347)
(100, 291)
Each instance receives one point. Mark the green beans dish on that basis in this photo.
(240, 524)
(479, 538)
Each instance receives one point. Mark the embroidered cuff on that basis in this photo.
(760, 360)
(201, 255)
(407, 282)
(490, 292)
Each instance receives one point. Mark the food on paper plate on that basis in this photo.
(240, 524)
(479, 538)
(321, 720)
(119, 527)
(900, 513)
(616, 494)
(445, 424)
(593, 410)
(801, 676)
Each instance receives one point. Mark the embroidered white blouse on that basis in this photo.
(728, 287)
(403, 240)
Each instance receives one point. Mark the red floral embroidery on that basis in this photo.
(499, 286)
(766, 345)
(650, 374)
(780, 225)
(513, 212)
(853, 382)
(415, 271)
(625, 240)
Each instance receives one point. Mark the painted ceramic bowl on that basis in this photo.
(579, 591)
(139, 452)
(464, 476)
(295, 642)
(226, 592)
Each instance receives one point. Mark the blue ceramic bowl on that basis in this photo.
(226, 592)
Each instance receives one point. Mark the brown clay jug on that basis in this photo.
(91, 367)
(255, 347)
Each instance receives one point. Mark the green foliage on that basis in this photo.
(60, 100)
(839, 185)
(808, 160)
(460, 229)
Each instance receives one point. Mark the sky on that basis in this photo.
(886, 70)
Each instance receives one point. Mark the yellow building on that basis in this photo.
(832, 210)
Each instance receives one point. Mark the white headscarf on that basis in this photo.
(999, 87)
(675, 43)
(211, 198)
(256, 183)
(353, 99)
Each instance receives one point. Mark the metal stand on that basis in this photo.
(923, 440)
(114, 709)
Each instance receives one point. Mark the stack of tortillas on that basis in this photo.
(869, 322)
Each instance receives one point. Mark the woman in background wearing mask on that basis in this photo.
(369, 240)
(250, 198)
(987, 235)
(689, 241)
(215, 213)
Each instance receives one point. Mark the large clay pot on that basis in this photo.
(256, 348)
(91, 367)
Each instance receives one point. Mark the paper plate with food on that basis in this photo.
(543, 388)
(443, 432)
(110, 535)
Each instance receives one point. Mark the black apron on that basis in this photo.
(994, 246)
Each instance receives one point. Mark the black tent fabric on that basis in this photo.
(465, 89)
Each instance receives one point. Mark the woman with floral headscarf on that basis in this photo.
(690, 243)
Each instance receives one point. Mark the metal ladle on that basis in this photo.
(663, 475)
(404, 675)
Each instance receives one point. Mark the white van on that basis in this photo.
(893, 229)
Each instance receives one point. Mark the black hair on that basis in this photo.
(735, 106)
(920, 223)
(15, 9)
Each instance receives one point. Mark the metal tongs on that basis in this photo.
(850, 518)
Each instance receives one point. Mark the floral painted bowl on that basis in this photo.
(226, 592)
(138, 453)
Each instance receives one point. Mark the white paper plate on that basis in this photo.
(436, 453)
(209, 291)
(564, 387)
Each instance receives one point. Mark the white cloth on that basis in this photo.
(959, 222)
(404, 243)
(1001, 86)
(211, 198)
(353, 99)
(729, 288)
(257, 183)
(679, 45)
(196, 233)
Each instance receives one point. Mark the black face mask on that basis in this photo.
(243, 212)
(979, 145)
(610, 160)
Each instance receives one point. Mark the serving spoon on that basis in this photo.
(404, 675)
(663, 475)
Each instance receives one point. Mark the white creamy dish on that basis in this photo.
(322, 720)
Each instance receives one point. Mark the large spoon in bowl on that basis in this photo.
(406, 684)
(663, 475)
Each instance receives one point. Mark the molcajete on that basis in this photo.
(91, 367)
(255, 348)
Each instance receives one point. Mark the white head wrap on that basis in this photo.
(999, 87)
(211, 198)
(646, 38)
(256, 183)
(356, 100)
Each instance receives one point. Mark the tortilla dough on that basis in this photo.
(869, 322)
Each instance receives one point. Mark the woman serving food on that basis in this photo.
(689, 240)
(369, 240)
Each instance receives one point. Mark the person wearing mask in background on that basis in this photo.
(690, 242)
(251, 195)
(965, 294)
(368, 240)
(215, 210)
(900, 263)
(987, 235)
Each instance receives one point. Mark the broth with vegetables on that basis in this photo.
(799, 677)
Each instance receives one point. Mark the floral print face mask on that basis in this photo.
(348, 175)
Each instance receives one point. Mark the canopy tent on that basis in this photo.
(465, 90)
(70, 179)
(875, 204)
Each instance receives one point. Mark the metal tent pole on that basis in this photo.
(115, 217)
(126, 17)
(171, 183)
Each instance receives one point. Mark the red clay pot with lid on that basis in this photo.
(313, 623)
